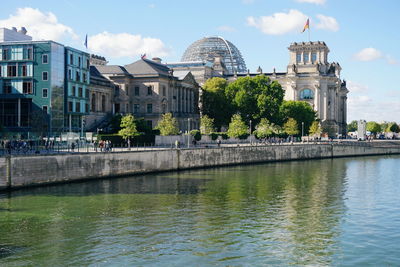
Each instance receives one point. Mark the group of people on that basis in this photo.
(103, 145)
(16, 145)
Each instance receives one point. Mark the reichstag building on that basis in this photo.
(309, 75)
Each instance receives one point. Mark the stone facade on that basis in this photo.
(148, 89)
(309, 77)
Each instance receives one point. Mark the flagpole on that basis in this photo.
(309, 39)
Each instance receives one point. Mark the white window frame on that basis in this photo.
(47, 56)
(46, 75)
(47, 89)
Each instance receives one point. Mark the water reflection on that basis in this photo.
(283, 213)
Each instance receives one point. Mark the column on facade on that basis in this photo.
(19, 113)
(325, 101)
(316, 101)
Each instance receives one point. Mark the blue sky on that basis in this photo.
(363, 36)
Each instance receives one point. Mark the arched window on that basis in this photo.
(306, 94)
(93, 103)
(103, 103)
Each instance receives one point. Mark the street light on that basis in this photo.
(188, 143)
(302, 130)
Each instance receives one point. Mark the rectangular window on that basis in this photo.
(78, 107)
(87, 63)
(86, 107)
(6, 54)
(164, 91)
(45, 75)
(84, 77)
(30, 54)
(73, 93)
(70, 105)
(298, 57)
(149, 90)
(27, 87)
(87, 93)
(78, 76)
(71, 59)
(45, 58)
(137, 90)
(11, 71)
(24, 71)
(80, 92)
(136, 108)
(70, 74)
(44, 92)
(79, 61)
(313, 57)
(44, 108)
(149, 108)
(306, 57)
(7, 89)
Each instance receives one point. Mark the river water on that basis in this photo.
(340, 212)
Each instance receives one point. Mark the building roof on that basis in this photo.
(181, 74)
(111, 69)
(147, 67)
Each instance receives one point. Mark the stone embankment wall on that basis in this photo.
(17, 171)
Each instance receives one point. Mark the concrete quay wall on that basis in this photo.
(21, 171)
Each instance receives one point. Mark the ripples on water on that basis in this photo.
(315, 213)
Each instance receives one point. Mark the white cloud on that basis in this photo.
(368, 54)
(317, 2)
(356, 87)
(152, 5)
(41, 26)
(118, 45)
(279, 23)
(391, 60)
(327, 23)
(226, 28)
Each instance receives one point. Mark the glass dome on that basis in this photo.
(208, 48)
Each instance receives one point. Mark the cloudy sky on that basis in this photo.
(363, 36)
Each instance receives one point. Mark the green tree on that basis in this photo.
(290, 127)
(128, 127)
(168, 125)
(237, 127)
(264, 129)
(256, 97)
(206, 124)
(373, 127)
(315, 128)
(393, 127)
(215, 103)
(385, 126)
(352, 126)
(301, 111)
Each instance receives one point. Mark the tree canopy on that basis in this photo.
(215, 104)
(265, 129)
(301, 111)
(206, 125)
(290, 127)
(256, 97)
(373, 127)
(168, 125)
(237, 127)
(315, 128)
(128, 127)
(393, 127)
(352, 126)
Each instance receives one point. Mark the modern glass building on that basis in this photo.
(36, 89)
(208, 48)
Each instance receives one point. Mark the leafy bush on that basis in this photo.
(224, 135)
(196, 134)
(214, 136)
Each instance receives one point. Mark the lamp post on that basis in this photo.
(188, 143)
(250, 132)
(302, 130)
